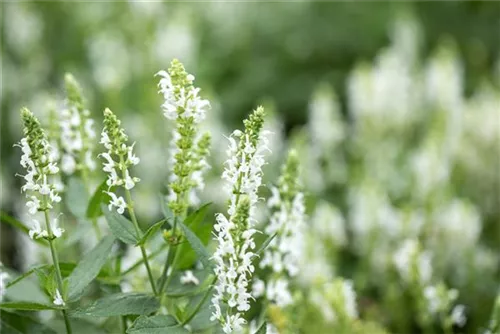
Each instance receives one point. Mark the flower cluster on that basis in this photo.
(114, 139)
(188, 149)
(287, 222)
(37, 160)
(77, 132)
(234, 235)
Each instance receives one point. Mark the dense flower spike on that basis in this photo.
(288, 223)
(413, 265)
(37, 159)
(234, 235)
(114, 139)
(188, 149)
(77, 131)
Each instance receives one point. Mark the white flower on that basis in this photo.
(33, 205)
(58, 300)
(56, 230)
(188, 277)
(458, 315)
(68, 164)
(36, 230)
(234, 235)
(411, 263)
(349, 299)
(117, 202)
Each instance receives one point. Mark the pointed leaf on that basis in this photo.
(120, 304)
(28, 306)
(77, 197)
(151, 231)
(265, 244)
(14, 323)
(94, 208)
(197, 246)
(157, 324)
(121, 227)
(5, 218)
(201, 229)
(167, 213)
(89, 267)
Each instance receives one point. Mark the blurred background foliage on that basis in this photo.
(286, 56)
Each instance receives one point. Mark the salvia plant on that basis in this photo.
(349, 230)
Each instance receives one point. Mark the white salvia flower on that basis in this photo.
(349, 299)
(3, 278)
(117, 160)
(337, 300)
(56, 230)
(183, 105)
(189, 278)
(234, 254)
(288, 223)
(413, 264)
(458, 315)
(40, 169)
(58, 300)
(36, 230)
(77, 131)
(117, 202)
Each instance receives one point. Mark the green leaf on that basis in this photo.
(14, 323)
(262, 329)
(94, 209)
(6, 219)
(265, 244)
(89, 267)
(197, 217)
(197, 246)
(26, 274)
(121, 227)
(77, 197)
(157, 324)
(151, 231)
(201, 229)
(120, 304)
(28, 306)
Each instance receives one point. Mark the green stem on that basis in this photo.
(55, 260)
(137, 231)
(200, 304)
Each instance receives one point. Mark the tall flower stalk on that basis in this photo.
(189, 148)
(41, 192)
(234, 233)
(118, 159)
(77, 137)
(282, 255)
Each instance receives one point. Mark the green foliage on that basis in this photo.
(121, 227)
(14, 323)
(76, 198)
(89, 267)
(119, 304)
(94, 205)
(157, 324)
(28, 306)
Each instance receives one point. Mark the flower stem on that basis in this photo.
(200, 304)
(137, 230)
(55, 260)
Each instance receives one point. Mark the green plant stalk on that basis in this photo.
(200, 304)
(55, 260)
(137, 231)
